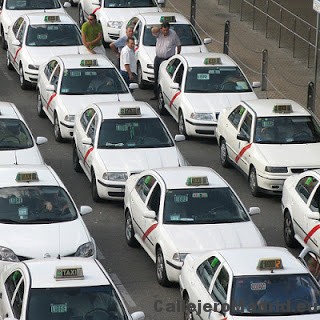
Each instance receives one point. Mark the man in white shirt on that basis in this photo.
(128, 65)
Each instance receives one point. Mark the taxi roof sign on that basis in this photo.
(167, 19)
(212, 61)
(270, 264)
(88, 62)
(51, 18)
(69, 273)
(27, 176)
(134, 111)
(282, 108)
(197, 181)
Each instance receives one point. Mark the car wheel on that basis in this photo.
(253, 183)
(161, 108)
(181, 124)
(40, 111)
(187, 314)
(161, 269)
(94, 188)
(23, 83)
(81, 16)
(56, 129)
(288, 231)
(8, 62)
(3, 40)
(224, 158)
(75, 160)
(141, 82)
(129, 231)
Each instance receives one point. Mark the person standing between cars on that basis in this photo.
(91, 34)
(128, 64)
(167, 42)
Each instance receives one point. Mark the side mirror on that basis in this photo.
(179, 137)
(16, 43)
(41, 140)
(175, 85)
(256, 84)
(313, 215)
(87, 140)
(254, 210)
(50, 87)
(207, 40)
(85, 210)
(139, 315)
(133, 85)
(149, 214)
(242, 137)
(67, 5)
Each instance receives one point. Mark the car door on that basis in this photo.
(14, 50)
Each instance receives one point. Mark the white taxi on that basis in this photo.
(113, 14)
(12, 9)
(145, 46)
(38, 217)
(300, 206)
(248, 283)
(117, 139)
(17, 145)
(171, 212)
(195, 87)
(36, 37)
(68, 83)
(269, 140)
(62, 289)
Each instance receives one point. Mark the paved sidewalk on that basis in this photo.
(288, 77)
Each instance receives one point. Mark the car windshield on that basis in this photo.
(35, 204)
(186, 33)
(97, 302)
(133, 133)
(129, 3)
(92, 81)
(32, 4)
(53, 35)
(202, 206)
(215, 79)
(287, 130)
(274, 295)
(14, 135)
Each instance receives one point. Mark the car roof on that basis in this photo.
(46, 175)
(9, 110)
(42, 272)
(38, 18)
(175, 178)
(74, 60)
(154, 17)
(264, 107)
(110, 110)
(197, 59)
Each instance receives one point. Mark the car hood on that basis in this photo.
(286, 154)
(40, 240)
(124, 14)
(195, 238)
(24, 156)
(137, 160)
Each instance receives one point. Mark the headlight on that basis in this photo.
(115, 176)
(179, 256)
(86, 250)
(150, 66)
(7, 254)
(276, 169)
(69, 117)
(202, 116)
(33, 67)
(115, 24)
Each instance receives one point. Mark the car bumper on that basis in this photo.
(31, 75)
(271, 183)
(111, 35)
(66, 129)
(148, 75)
(197, 128)
(173, 269)
(111, 190)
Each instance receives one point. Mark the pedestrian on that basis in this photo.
(91, 33)
(166, 45)
(128, 64)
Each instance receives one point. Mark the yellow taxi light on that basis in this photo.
(89, 63)
(212, 61)
(270, 264)
(51, 18)
(167, 19)
(27, 176)
(197, 181)
(282, 108)
(69, 273)
(130, 111)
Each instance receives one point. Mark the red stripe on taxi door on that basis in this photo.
(174, 98)
(87, 154)
(16, 55)
(242, 151)
(311, 233)
(50, 99)
(96, 9)
(149, 230)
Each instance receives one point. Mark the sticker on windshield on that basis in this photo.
(199, 195)
(42, 36)
(258, 286)
(180, 198)
(203, 76)
(23, 213)
(58, 308)
(90, 73)
(267, 123)
(15, 200)
(52, 28)
(65, 90)
(174, 217)
(214, 71)
(75, 73)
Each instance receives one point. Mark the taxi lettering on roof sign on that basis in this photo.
(27, 176)
(282, 108)
(130, 111)
(68, 273)
(51, 18)
(212, 61)
(88, 63)
(168, 19)
(270, 264)
(197, 181)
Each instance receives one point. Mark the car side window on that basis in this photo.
(15, 288)
(315, 201)
(305, 186)
(49, 68)
(144, 186)
(154, 200)
(18, 300)
(179, 75)
(207, 269)
(245, 128)
(55, 76)
(312, 262)
(21, 32)
(86, 117)
(220, 286)
(16, 26)
(235, 115)
(92, 128)
(172, 66)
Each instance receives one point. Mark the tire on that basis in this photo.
(4, 45)
(181, 124)
(161, 108)
(253, 183)
(81, 16)
(56, 129)
(187, 315)
(23, 83)
(129, 232)
(75, 160)
(224, 158)
(161, 269)
(8, 62)
(288, 231)
(40, 111)
(94, 189)
(141, 82)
